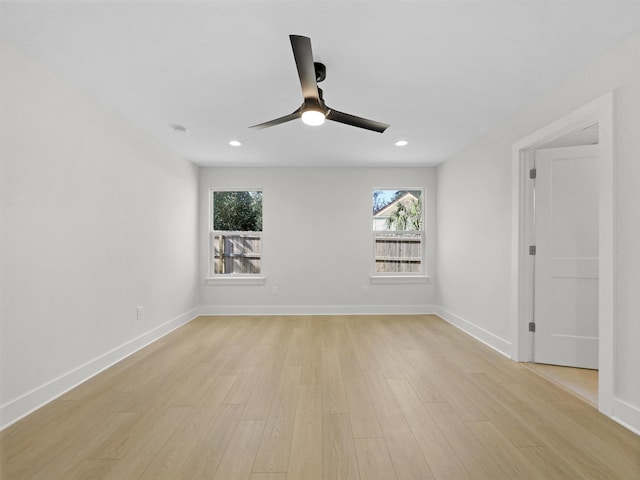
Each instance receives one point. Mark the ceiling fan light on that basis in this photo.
(313, 117)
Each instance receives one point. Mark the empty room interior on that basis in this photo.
(282, 240)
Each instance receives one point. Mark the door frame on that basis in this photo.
(598, 111)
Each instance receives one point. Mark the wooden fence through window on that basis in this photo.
(398, 253)
(240, 253)
(237, 253)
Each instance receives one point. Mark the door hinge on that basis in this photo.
(532, 173)
(532, 249)
(532, 327)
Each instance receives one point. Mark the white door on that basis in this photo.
(566, 256)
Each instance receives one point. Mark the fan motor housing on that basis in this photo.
(321, 71)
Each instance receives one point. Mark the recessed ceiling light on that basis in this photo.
(235, 143)
(179, 128)
(401, 143)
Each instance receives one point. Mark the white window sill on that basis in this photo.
(400, 279)
(236, 280)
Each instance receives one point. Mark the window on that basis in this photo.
(235, 235)
(398, 232)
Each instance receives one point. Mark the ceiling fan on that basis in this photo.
(313, 110)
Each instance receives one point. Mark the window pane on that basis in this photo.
(397, 210)
(398, 231)
(236, 238)
(398, 252)
(237, 211)
(236, 253)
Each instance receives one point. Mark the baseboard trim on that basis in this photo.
(626, 415)
(31, 401)
(232, 310)
(495, 342)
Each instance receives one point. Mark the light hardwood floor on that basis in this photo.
(579, 381)
(322, 397)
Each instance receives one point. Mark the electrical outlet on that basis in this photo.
(139, 312)
(364, 290)
(275, 290)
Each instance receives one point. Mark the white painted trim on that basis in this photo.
(236, 280)
(599, 110)
(399, 279)
(495, 342)
(317, 310)
(626, 415)
(22, 406)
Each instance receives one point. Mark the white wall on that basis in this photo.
(96, 219)
(474, 212)
(317, 241)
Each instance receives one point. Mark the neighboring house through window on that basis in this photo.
(398, 232)
(235, 236)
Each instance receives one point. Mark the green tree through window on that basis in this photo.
(406, 216)
(237, 211)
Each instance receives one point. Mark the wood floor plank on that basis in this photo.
(373, 459)
(407, 459)
(469, 450)
(381, 343)
(579, 381)
(446, 383)
(334, 399)
(306, 460)
(207, 452)
(550, 463)
(259, 403)
(343, 340)
(616, 435)
(196, 384)
(366, 356)
(116, 446)
(275, 445)
(426, 391)
(339, 456)
(21, 456)
(268, 476)
(64, 465)
(88, 468)
(312, 365)
(505, 454)
(144, 449)
(584, 449)
(297, 347)
(384, 403)
(217, 391)
(24, 457)
(238, 458)
(440, 455)
(243, 386)
(364, 421)
(171, 458)
(505, 412)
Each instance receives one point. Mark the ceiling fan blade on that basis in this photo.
(354, 121)
(304, 62)
(278, 121)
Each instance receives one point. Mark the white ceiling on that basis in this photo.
(440, 72)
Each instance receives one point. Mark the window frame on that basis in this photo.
(401, 277)
(232, 278)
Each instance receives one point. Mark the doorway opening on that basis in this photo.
(591, 123)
